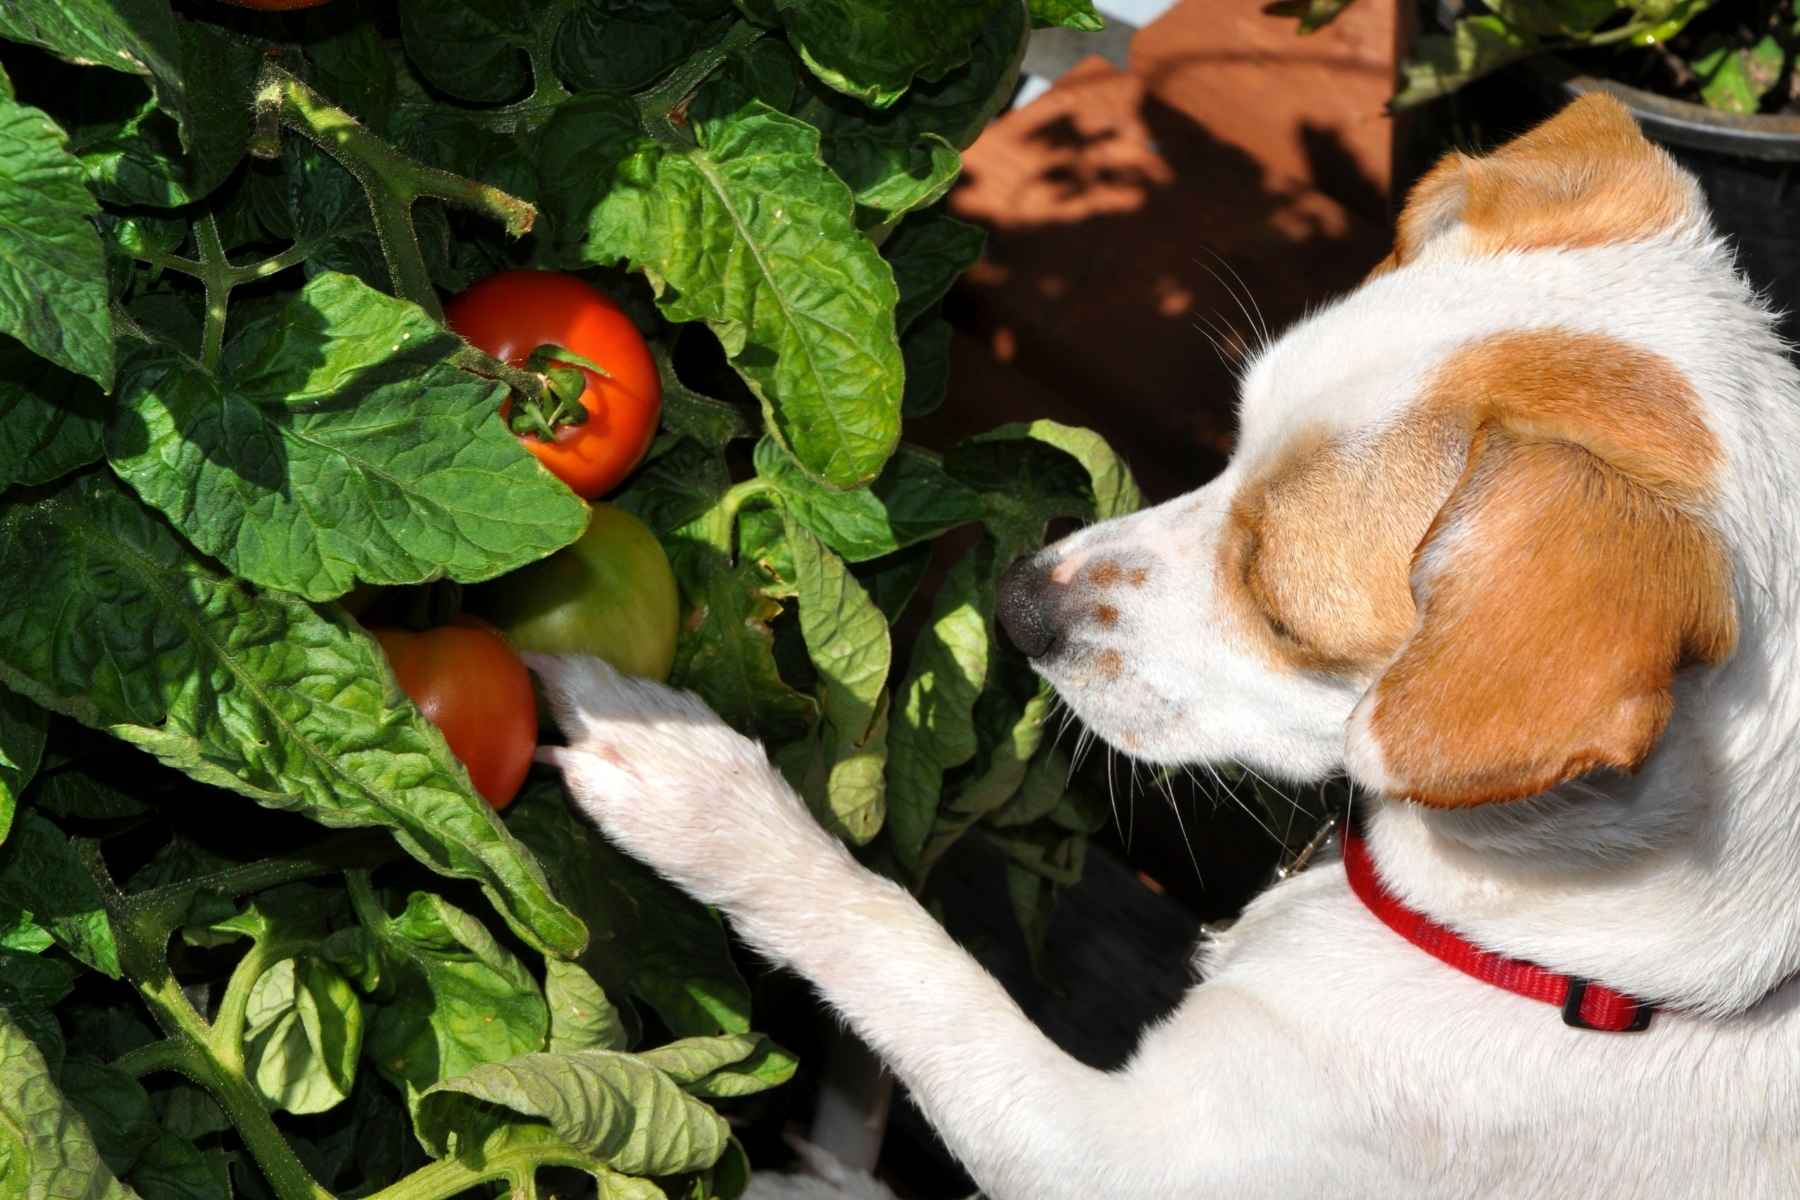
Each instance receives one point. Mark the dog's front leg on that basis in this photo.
(677, 788)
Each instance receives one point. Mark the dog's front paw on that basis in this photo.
(664, 776)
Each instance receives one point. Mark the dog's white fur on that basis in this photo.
(1323, 1055)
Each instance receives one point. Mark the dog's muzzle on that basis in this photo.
(1020, 607)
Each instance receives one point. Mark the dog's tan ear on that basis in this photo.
(1557, 592)
(1585, 177)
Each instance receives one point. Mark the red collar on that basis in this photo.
(1584, 1005)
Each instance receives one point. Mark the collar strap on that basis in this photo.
(1585, 1005)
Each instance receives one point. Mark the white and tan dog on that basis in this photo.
(1511, 537)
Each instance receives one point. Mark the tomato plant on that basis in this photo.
(594, 440)
(611, 594)
(276, 5)
(232, 415)
(472, 686)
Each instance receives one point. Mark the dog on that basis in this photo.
(1510, 539)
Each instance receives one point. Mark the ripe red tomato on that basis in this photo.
(473, 687)
(511, 314)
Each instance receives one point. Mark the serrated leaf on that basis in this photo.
(614, 1107)
(41, 873)
(847, 639)
(932, 728)
(650, 939)
(872, 49)
(304, 1030)
(338, 447)
(53, 290)
(257, 693)
(473, 49)
(928, 251)
(726, 656)
(115, 1106)
(749, 232)
(179, 144)
(50, 420)
(689, 1060)
(581, 1017)
(22, 729)
(913, 500)
(1115, 491)
(765, 1067)
(46, 1149)
(196, 75)
(624, 45)
(459, 998)
(1736, 78)
(1070, 14)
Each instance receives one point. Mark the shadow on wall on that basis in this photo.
(1110, 295)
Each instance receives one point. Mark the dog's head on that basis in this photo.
(1472, 534)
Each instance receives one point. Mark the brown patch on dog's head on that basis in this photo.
(1319, 547)
(1108, 664)
(1105, 573)
(1564, 582)
(1586, 177)
(1106, 616)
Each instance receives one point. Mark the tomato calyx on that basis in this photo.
(565, 375)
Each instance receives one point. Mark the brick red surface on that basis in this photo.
(1108, 198)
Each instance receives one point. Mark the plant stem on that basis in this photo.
(529, 384)
(192, 1054)
(167, 1055)
(226, 1037)
(215, 273)
(392, 181)
(450, 1177)
(658, 104)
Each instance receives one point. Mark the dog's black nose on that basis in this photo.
(1019, 606)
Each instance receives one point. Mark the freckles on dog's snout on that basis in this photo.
(1020, 607)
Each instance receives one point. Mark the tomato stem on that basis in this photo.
(658, 104)
(392, 181)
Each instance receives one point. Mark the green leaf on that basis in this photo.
(304, 1032)
(53, 291)
(1040, 792)
(22, 729)
(41, 872)
(892, 581)
(1115, 492)
(650, 939)
(928, 251)
(847, 638)
(31, 984)
(1442, 63)
(624, 45)
(895, 160)
(926, 348)
(726, 656)
(999, 780)
(765, 1067)
(142, 157)
(612, 1106)
(581, 1017)
(690, 1060)
(933, 726)
(1075, 14)
(459, 998)
(50, 420)
(196, 75)
(19, 932)
(872, 49)
(256, 693)
(115, 1106)
(751, 233)
(1736, 78)
(338, 447)
(46, 1150)
(173, 1168)
(70, 793)
(1033, 901)
(473, 49)
(1555, 18)
(913, 500)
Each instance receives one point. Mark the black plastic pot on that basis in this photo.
(1749, 166)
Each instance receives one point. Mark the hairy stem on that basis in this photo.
(215, 274)
(659, 104)
(392, 181)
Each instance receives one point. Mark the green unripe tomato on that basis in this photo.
(611, 594)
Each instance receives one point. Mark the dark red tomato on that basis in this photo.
(511, 314)
(474, 687)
